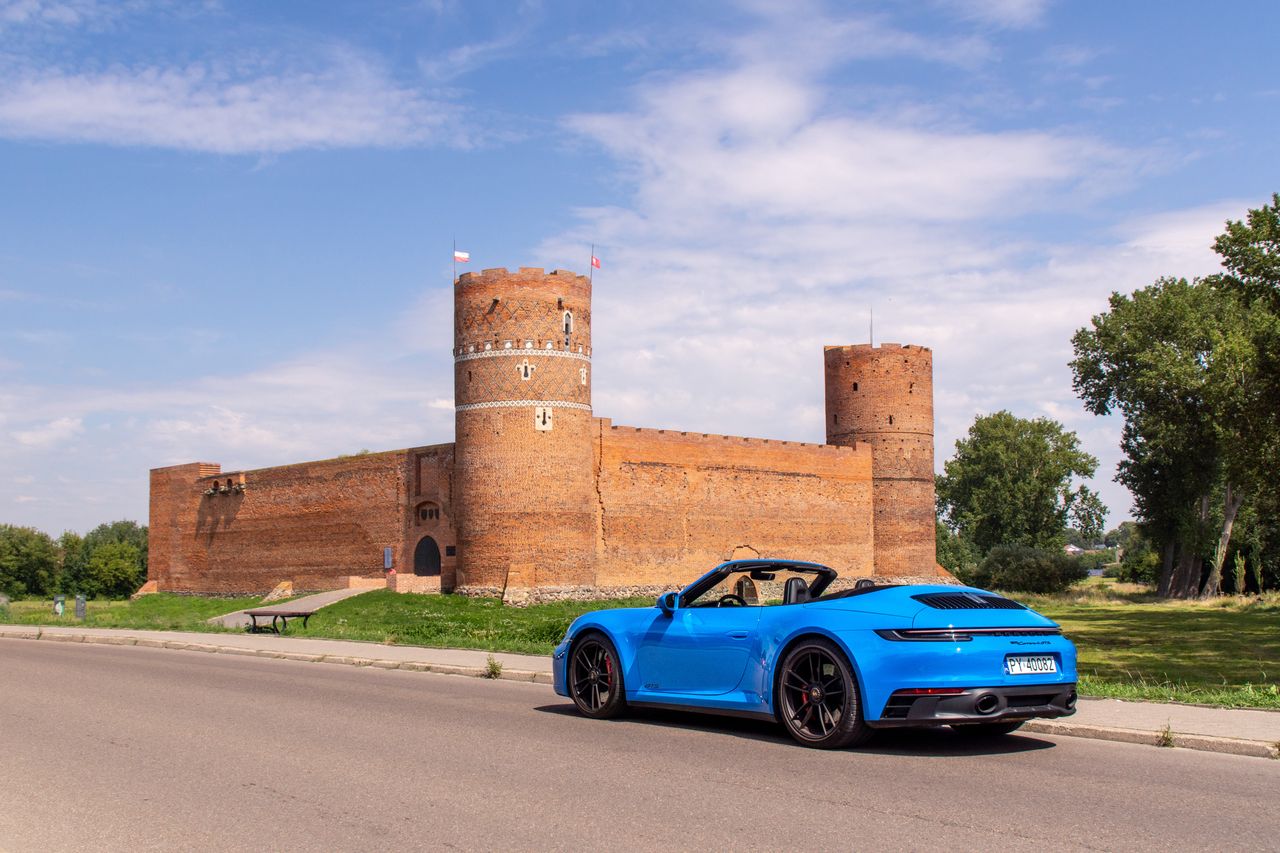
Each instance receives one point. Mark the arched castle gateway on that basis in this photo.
(536, 497)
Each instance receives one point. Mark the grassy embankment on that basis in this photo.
(1132, 645)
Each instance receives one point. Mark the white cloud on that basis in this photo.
(222, 108)
(766, 221)
(54, 432)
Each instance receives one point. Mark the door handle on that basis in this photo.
(739, 635)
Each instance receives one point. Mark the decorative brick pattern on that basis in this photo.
(503, 379)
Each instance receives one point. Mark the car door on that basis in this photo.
(696, 650)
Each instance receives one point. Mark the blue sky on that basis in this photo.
(225, 228)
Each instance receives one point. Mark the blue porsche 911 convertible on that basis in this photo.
(763, 638)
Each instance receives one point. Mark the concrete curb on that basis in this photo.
(1165, 738)
(1204, 743)
(529, 676)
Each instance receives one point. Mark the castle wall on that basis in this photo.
(314, 523)
(672, 505)
(538, 493)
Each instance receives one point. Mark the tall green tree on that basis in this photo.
(28, 561)
(1012, 481)
(1193, 367)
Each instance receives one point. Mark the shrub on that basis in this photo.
(1017, 568)
(1138, 565)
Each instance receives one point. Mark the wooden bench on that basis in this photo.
(281, 617)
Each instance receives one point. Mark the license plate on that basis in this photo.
(1031, 664)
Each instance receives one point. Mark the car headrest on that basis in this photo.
(796, 591)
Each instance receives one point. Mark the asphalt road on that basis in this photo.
(110, 748)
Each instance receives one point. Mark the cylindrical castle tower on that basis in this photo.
(883, 396)
(523, 459)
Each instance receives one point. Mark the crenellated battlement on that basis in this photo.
(863, 348)
(556, 276)
(715, 439)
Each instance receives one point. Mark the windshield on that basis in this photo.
(753, 588)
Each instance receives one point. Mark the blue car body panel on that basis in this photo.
(724, 659)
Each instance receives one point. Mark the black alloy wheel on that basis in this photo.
(595, 679)
(987, 729)
(818, 699)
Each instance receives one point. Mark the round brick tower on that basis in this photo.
(523, 460)
(883, 396)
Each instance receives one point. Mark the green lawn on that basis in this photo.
(1135, 646)
(162, 612)
(1132, 646)
(452, 621)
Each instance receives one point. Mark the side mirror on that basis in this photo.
(668, 602)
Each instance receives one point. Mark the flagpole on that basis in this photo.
(871, 326)
(455, 260)
(591, 266)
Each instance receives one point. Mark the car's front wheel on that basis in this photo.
(818, 700)
(595, 678)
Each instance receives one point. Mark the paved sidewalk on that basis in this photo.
(307, 602)
(1240, 732)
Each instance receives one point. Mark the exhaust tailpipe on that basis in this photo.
(987, 704)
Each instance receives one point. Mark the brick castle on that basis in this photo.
(536, 497)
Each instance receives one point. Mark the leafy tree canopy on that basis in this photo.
(1012, 482)
(113, 571)
(28, 561)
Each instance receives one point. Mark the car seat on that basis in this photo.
(796, 591)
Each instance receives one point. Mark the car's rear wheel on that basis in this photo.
(595, 678)
(987, 729)
(817, 699)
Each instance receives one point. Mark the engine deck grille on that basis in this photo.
(966, 601)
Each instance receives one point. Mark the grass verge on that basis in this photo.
(160, 612)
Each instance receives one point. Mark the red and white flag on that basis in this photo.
(461, 257)
(595, 262)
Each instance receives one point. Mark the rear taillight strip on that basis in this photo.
(960, 635)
